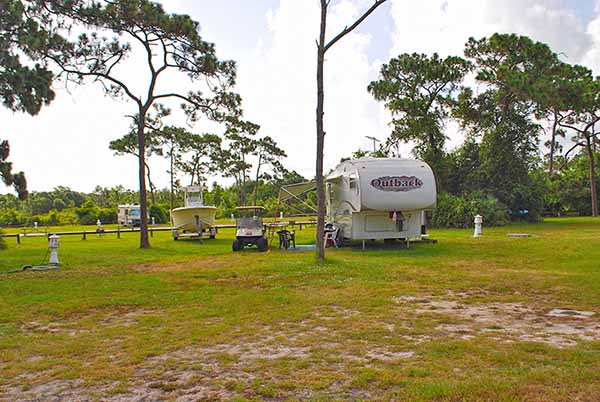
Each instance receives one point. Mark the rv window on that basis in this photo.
(352, 182)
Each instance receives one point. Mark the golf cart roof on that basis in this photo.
(250, 207)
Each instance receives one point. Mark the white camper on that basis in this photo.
(380, 198)
(129, 215)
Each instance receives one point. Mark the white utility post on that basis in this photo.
(478, 225)
(54, 244)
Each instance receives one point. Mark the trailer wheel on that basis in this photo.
(262, 244)
(237, 245)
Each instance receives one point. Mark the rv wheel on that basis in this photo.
(262, 244)
(237, 245)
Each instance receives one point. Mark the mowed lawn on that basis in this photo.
(493, 318)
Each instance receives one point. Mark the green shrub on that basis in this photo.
(159, 212)
(107, 215)
(88, 213)
(12, 216)
(458, 212)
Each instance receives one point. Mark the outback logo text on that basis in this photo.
(396, 183)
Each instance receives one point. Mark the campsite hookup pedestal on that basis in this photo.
(478, 225)
(54, 244)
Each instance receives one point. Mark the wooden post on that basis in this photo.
(84, 235)
(18, 238)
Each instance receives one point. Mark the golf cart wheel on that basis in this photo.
(262, 244)
(212, 236)
(236, 245)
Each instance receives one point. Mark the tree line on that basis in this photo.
(521, 93)
(64, 206)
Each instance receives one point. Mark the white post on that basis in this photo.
(280, 214)
(478, 226)
(35, 226)
(53, 244)
(153, 221)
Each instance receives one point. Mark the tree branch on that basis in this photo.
(349, 29)
(97, 75)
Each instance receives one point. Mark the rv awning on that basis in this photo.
(294, 191)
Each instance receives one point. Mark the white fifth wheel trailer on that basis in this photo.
(380, 198)
(374, 198)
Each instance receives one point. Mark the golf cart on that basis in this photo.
(250, 229)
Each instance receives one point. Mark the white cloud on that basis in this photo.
(444, 26)
(592, 57)
(279, 85)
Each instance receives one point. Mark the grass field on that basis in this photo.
(463, 319)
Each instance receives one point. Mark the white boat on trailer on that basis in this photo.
(194, 219)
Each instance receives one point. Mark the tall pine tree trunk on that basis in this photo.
(320, 135)
(321, 49)
(553, 144)
(150, 184)
(592, 173)
(144, 241)
(172, 179)
(256, 181)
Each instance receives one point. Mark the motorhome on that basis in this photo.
(380, 198)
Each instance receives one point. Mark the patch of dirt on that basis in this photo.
(558, 312)
(51, 391)
(507, 321)
(386, 355)
(334, 312)
(71, 326)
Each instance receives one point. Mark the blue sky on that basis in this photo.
(273, 44)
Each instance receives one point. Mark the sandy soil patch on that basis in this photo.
(509, 321)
